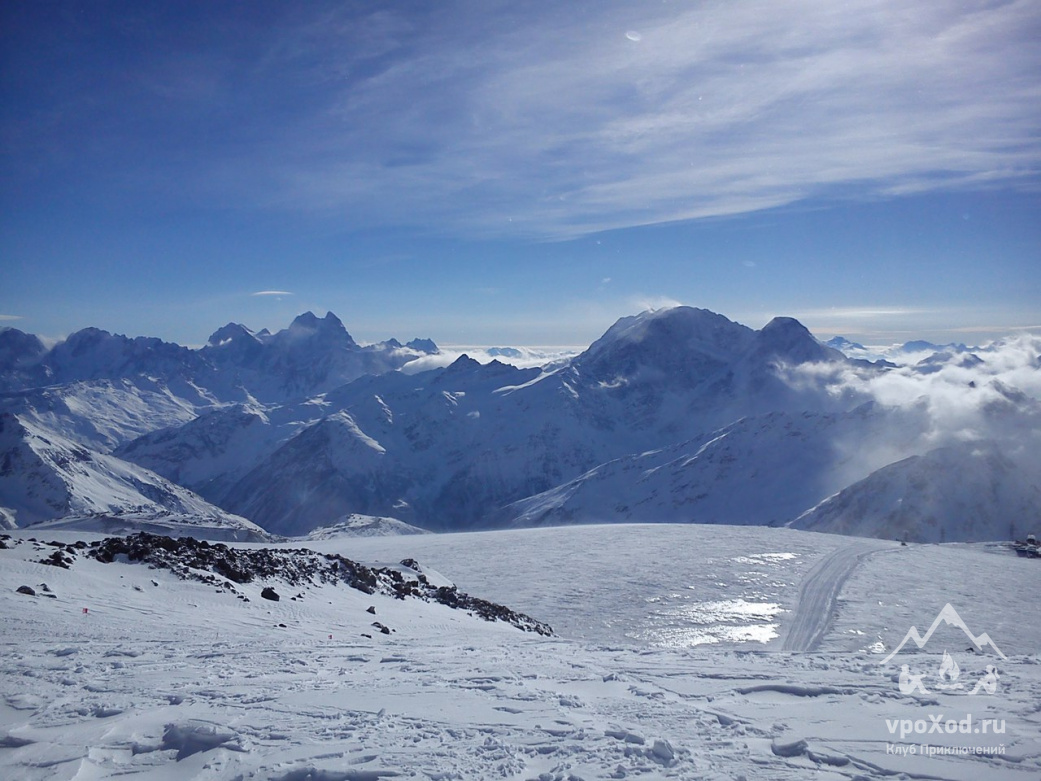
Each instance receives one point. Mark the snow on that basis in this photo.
(47, 478)
(676, 415)
(356, 525)
(169, 679)
(680, 651)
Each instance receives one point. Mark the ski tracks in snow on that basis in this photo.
(819, 593)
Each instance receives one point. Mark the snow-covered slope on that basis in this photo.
(311, 356)
(355, 525)
(103, 414)
(446, 448)
(974, 491)
(44, 477)
(656, 671)
(763, 470)
(216, 449)
(673, 414)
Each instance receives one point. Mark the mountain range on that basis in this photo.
(673, 415)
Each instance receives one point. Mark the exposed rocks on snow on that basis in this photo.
(28, 590)
(270, 593)
(221, 566)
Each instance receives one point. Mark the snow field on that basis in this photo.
(176, 680)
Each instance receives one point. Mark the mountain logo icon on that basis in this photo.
(948, 672)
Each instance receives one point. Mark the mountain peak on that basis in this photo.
(424, 346)
(677, 341)
(231, 332)
(310, 320)
(787, 338)
(18, 347)
(329, 328)
(461, 364)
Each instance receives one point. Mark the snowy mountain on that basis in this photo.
(762, 470)
(103, 414)
(676, 414)
(312, 355)
(214, 450)
(46, 478)
(355, 525)
(17, 350)
(949, 494)
(447, 448)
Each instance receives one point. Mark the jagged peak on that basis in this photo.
(17, 346)
(424, 346)
(231, 332)
(312, 322)
(328, 327)
(308, 320)
(87, 335)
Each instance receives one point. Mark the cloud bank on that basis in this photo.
(935, 399)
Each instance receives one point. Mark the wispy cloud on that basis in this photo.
(653, 303)
(271, 293)
(559, 120)
(862, 312)
(561, 127)
(10, 317)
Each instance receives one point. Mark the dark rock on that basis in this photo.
(216, 564)
(57, 559)
(270, 593)
(26, 590)
(385, 630)
(371, 609)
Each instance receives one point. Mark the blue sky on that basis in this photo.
(489, 172)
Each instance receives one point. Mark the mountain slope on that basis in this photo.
(973, 491)
(311, 356)
(103, 414)
(44, 477)
(759, 470)
(458, 443)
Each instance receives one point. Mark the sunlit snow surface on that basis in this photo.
(163, 679)
(669, 586)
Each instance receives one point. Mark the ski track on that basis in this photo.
(819, 593)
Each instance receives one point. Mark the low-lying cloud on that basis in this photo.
(935, 399)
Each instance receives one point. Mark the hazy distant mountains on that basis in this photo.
(675, 415)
